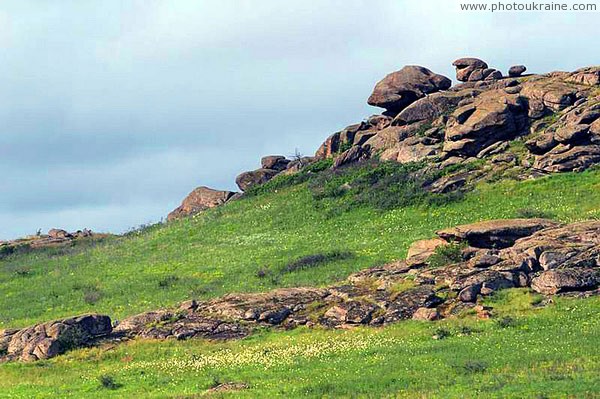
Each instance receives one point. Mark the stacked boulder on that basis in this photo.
(473, 70)
(201, 199)
(271, 166)
(401, 88)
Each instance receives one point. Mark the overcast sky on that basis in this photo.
(112, 111)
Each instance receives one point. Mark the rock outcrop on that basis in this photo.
(50, 339)
(54, 238)
(548, 257)
(201, 199)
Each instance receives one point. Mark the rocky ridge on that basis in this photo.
(480, 259)
(516, 125)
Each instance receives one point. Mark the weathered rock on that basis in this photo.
(274, 162)
(433, 106)
(516, 70)
(495, 233)
(587, 76)
(576, 279)
(59, 233)
(399, 89)
(406, 303)
(566, 158)
(200, 199)
(426, 314)
(470, 69)
(409, 151)
(256, 177)
(50, 339)
(420, 251)
(493, 116)
(354, 154)
(351, 312)
(342, 140)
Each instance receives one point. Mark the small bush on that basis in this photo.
(91, 295)
(262, 272)
(474, 366)
(309, 261)
(506, 322)
(167, 281)
(446, 255)
(108, 382)
(531, 213)
(73, 338)
(441, 333)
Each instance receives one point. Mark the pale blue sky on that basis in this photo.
(112, 111)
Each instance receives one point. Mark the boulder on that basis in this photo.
(420, 251)
(493, 116)
(46, 340)
(432, 106)
(355, 153)
(501, 233)
(566, 158)
(426, 314)
(465, 67)
(564, 280)
(409, 150)
(587, 76)
(58, 233)
(274, 162)
(516, 70)
(256, 177)
(200, 199)
(399, 89)
(404, 305)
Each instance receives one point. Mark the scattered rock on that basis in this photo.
(426, 314)
(561, 280)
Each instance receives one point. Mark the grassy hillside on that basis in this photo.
(526, 352)
(252, 245)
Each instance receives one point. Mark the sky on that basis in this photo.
(111, 112)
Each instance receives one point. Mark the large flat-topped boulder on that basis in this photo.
(201, 199)
(401, 88)
(495, 233)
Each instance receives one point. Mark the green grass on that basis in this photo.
(222, 250)
(549, 352)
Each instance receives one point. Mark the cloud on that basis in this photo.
(112, 111)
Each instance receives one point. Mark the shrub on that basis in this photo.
(91, 295)
(168, 281)
(315, 260)
(506, 322)
(441, 333)
(530, 213)
(108, 382)
(262, 272)
(474, 366)
(446, 255)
